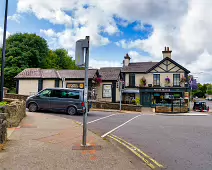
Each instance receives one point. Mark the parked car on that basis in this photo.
(66, 100)
(200, 106)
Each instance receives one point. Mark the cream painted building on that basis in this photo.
(151, 81)
(32, 80)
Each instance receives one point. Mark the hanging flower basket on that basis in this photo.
(183, 79)
(143, 82)
(167, 80)
(97, 81)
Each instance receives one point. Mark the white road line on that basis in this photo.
(119, 126)
(101, 118)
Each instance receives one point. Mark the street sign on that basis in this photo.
(79, 51)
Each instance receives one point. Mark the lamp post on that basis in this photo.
(3, 52)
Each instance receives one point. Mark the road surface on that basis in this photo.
(177, 142)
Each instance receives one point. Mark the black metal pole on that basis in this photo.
(3, 52)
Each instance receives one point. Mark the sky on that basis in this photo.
(141, 28)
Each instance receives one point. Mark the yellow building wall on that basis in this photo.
(117, 94)
(48, 84)
(149, 78)
(28, 87)
(100, 93)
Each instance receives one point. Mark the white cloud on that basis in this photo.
(103, 63)
(183, 25)
(15, 17)
(136, 57)
(48, 33)
(1, 36)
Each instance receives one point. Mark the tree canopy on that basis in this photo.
(24, 50)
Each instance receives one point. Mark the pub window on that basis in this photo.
(156, 79)
(176, 79)
(132, 79)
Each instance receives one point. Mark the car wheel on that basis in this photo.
(33, 107)
(72, 110)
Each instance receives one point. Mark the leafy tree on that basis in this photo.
(9, 74)
(59, 59)
(26, 50)
(209, 89)
(31, 51)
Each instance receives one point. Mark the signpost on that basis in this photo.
(79, 57)
(80, 46)
(120, 89)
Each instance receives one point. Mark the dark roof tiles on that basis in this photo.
(110, 73)
(52, 73)
(139, 67)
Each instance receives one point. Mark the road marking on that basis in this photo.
(119, 126)
(101, 118)
(143, 156)
(140, 151)
(132, 150)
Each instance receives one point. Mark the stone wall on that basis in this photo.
(16, 96)
(3, 129)
(116, 106)
(15, 111)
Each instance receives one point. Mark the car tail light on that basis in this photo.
(83, 104)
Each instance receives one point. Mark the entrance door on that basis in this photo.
(146, 100)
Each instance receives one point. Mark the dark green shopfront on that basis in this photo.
(150, 97)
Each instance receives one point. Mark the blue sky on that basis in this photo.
(116, 27)
(28, 22)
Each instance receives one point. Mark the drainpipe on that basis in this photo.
(63, 82)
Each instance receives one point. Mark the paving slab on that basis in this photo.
(45, 141)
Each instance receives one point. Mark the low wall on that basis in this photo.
(16, 96)
(164, 109)
(15, 111)
(116, 106)
(3, 128)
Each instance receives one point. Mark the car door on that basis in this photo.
(55, 100)
(71, 98)
(42, 99)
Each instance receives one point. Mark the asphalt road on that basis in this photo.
(177, 142)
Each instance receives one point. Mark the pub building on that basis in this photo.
(157, 84)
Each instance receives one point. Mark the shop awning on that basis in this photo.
(130, 91)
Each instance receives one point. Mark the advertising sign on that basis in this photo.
(75, 85)
(186, 95)
(107, 91)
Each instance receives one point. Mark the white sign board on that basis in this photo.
(107, 91)
(79, 53)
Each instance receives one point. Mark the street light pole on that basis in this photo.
(3, 52)
(86, 94)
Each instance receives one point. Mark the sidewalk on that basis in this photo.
(45, 141)
(122, 111)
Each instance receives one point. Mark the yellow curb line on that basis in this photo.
(147, 156)
(137, 152)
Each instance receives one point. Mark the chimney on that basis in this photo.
(126, 60)
(166, 53)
